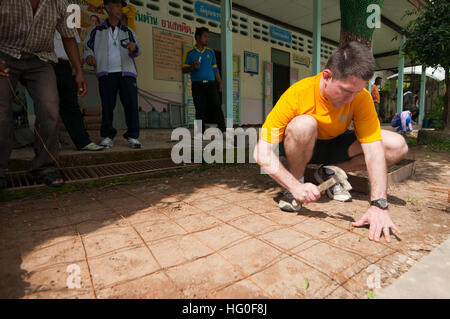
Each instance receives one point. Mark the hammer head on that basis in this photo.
(339, 176)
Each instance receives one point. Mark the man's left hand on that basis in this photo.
(220, 87)
(379, 221)
(81, 83)
(131, 47)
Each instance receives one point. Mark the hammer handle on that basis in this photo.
(327, 184)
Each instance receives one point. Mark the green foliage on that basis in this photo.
(435, 143)
(442, 146)
(386, 89)
(306, 284)
(428, 36)
(436, 116)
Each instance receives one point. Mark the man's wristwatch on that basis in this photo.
(380, 203)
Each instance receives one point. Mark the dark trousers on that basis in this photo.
(207, 104)
(109, 85)
(39, 78)
(69, 110)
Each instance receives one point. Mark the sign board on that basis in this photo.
(168, 53)
(302, 60)
(207, 11)
(280, 34)
(251, 62)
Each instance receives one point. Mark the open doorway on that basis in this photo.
(281, 69)
(214, 44)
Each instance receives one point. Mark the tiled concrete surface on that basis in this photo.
(214, 234)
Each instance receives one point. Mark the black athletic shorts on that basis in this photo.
(332, 151)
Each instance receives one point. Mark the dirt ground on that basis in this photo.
(215, 234)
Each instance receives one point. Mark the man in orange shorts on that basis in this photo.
(310, 122)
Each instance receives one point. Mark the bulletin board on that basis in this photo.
(168, 53)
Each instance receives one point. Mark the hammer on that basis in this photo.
(338, 177)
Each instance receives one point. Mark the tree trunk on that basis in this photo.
(446, 113)
(347, 36)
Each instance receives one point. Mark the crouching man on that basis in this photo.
(311, 120)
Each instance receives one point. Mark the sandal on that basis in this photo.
(50, 178)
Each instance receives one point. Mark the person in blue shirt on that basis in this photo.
(200, 61)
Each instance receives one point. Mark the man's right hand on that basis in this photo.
(306, 193)
(4, 71)
(90, 60)
(196, 65)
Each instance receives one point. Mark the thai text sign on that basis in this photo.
(167, 54)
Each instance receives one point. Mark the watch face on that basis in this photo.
(381, 203)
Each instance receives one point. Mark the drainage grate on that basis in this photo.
(23, 180)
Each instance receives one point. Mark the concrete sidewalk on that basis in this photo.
(428, 279)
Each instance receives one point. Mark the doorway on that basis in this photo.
(281, 61)
(214, 44)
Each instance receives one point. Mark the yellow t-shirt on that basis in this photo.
(304, 97)
(375, 94)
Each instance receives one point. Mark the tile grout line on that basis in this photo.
(214, 250)
(307, 262)
(324, 240)
(138, 234)
(84, 248)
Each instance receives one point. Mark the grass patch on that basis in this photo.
(435, 143)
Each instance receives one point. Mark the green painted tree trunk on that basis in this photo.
(446, 115)
(357, 20)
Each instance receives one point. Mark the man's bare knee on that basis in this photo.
(302, 129)
(395, 146)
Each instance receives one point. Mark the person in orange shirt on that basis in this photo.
(310, 122)
(376, 94)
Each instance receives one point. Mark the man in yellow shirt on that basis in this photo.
(310, 121)
(376, 94)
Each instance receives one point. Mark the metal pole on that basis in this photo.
(401, 67)
(422, 95)
(317, 30)
(227, 60)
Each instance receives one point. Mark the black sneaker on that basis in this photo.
(288, 203)
(336, 192)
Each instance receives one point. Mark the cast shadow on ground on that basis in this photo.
(27, 227)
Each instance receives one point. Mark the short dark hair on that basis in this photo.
(352, 58)
(199, 32)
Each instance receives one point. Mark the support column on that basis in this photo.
(423, 82)
(227, 60)
(401, 67)
(370, 81)
(317, 35)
